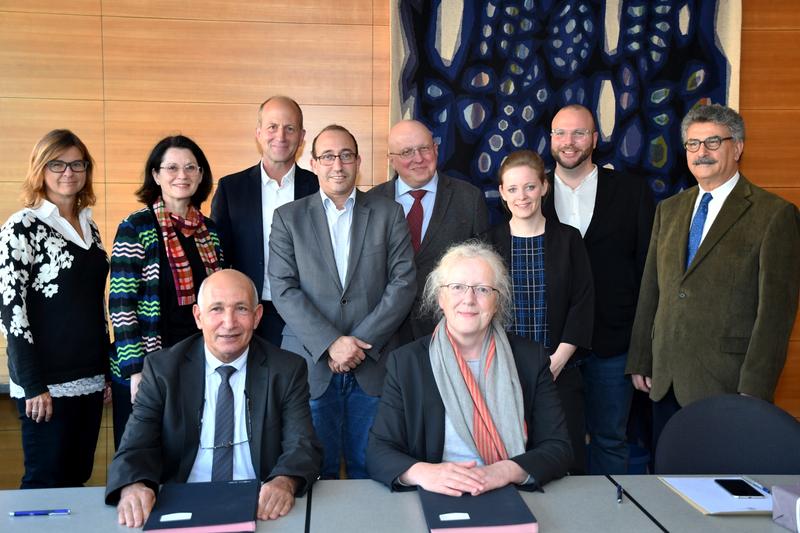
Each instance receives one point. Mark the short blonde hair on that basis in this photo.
(52, 144)
(472, 249)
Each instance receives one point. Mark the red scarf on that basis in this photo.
(193, 225)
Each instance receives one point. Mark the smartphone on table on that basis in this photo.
(739, 488)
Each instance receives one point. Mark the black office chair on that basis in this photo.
(729, 434)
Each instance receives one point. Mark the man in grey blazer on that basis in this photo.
(452, 210)
(342, 275)
(720, 285)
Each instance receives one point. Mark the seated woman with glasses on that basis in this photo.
(161, 255)
(551, 279)
(470, 408)
(53, 272)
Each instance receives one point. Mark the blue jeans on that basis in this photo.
(608, 393)
(342, 418)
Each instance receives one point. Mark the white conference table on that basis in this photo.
(675, 514)
(91, 515)
(571, 504)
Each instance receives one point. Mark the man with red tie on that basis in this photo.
(440, 210)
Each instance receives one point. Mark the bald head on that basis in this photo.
(227, 311)
(412, 152)
(572, 141)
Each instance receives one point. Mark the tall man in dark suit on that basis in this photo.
(175, 433)
(720, 288)
(448, 210)
(341, 268)
(245, 202)
(614, 213)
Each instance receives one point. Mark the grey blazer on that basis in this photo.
(378, 292)
(162, 436)
(459, 214)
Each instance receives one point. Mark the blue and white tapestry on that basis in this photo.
(487, 77)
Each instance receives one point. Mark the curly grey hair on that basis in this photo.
(718, 114)
(468, 250)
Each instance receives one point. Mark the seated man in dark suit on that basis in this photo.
(225, 386)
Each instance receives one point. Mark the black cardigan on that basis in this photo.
(570, 289)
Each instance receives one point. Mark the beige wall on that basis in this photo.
(124, 73)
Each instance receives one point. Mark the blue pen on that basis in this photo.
(40, 512)
(757, 484)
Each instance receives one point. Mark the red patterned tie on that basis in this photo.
(414, 219)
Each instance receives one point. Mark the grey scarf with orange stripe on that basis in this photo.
(486, 412)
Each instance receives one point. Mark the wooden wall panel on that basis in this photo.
(73, 7)
(770, 148)
(380, 65)
(224, 132)
(776, 14)
(787, 395)
(380, 13)
(292, 11)
(236, 62)
(380, 117)
(30, 119)
(34, 64)
(770, 70)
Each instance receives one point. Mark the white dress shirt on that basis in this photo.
(718, 197)
(339, 223)
(242, 461)
(402, 195)
(576, 206)
(272, 197)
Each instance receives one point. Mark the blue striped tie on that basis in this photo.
(696, 230)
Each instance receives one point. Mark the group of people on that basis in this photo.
(418, 345)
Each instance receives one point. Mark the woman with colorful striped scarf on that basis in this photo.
(161, 255)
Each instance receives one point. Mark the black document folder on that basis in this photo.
(228, 506)
(501, 510)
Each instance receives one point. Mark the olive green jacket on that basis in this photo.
(722, 325)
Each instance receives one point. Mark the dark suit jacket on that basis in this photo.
(409, 426)
(568, 274)
(459, 213)
(722, 325)
(163, 433)
(236, 209)
(616, 242)
(377, 294)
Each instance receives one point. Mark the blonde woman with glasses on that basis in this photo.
(53, 272)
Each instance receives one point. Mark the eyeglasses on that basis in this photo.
(578, 135)
(712, 143)
(347, 157)
(460, 289)
(58, 166)
(229, 444)
(409, 153)
(190, 170)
